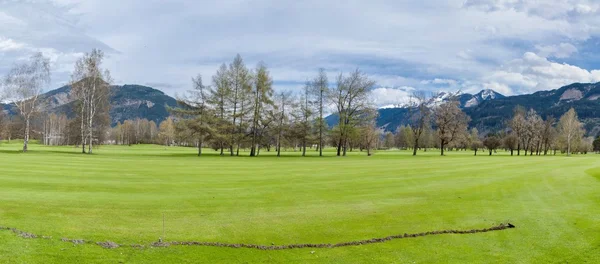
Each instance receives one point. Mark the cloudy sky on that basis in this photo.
(511, 46)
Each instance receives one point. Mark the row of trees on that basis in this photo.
(445, 127)
(241, 110)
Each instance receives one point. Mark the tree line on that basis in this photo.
(445, 127)
(239, 110)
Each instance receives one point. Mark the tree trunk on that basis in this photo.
(321, 125)
(475, 152)
(511, 152)
(200, 146)
(442, 144)
(490, 152)
(415, 146)
(304, 148)
(82, 128)
(26, 138)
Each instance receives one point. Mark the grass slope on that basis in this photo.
(120, 194)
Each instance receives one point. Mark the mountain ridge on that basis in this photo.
(129, 101)
(488, 109)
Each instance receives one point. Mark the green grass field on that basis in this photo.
(121, 193)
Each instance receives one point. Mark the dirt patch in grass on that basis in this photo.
(111, 245)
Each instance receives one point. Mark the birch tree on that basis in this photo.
(570, 129)
(91, 86)
(24, 84)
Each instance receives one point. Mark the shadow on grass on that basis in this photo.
(594, 172)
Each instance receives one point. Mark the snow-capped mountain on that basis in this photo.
(466, 100)
(483, 95)
(442, 97)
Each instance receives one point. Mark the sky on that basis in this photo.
(511, 46)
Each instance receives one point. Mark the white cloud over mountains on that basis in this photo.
(512, 46)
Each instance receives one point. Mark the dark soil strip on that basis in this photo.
(109, 244)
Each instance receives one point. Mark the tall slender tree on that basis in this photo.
(283, 101)
(306, 116)
(91, 86)
(262, 93)
(320, 90)
(218, 99)
(239, 78)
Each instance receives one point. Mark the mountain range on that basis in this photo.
(127, 102)
(488, 109)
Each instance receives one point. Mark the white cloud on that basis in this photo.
(439, 81)
(7, 44)
(473, 44)
(533, 73)
(562, 50)
(384, 96)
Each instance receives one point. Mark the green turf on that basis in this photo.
(121, 193)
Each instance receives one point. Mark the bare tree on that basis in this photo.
(167, 131)
(370, 135)
(570, 129)
(91, 86)
(24, 84)
(491, 142)
(320, 90)
(389, 140)
(518, 126)
(306, 115)
(419, 118)
(531, 132)
(473, 140)
(451, 122)
(283, 101)
(350, 97)
(510, 142)
(548, 134)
